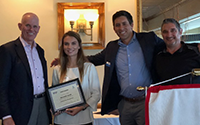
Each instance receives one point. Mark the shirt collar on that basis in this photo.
(179, 50)
(132, 40)
(25, 44)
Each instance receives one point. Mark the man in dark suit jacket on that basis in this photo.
(23, 78)
(128, 63)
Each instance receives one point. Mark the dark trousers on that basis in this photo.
(132, 113)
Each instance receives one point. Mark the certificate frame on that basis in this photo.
(65, 95)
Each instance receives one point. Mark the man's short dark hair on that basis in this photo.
(171, 20)
(123, 13)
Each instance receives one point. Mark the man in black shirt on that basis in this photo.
(177, 58)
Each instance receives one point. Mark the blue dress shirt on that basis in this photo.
(131, 69)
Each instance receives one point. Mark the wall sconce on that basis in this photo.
(63, 23)
(72, 16)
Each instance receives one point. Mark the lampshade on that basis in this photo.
(91, 16)
(71, 15)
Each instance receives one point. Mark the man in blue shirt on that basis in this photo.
(128, 64)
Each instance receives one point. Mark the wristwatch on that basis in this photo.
(84, 107)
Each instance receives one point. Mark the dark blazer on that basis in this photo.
(16, 87)
(150, 45)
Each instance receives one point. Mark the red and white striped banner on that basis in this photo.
(173, 105)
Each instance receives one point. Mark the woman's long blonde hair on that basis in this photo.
(63, 58)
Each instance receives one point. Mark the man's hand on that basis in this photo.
(8, 121)
(54, 62)
(198, 47)
(114, 112)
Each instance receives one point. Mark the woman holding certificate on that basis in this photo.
(73, 64)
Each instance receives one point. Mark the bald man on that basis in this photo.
(23, 78)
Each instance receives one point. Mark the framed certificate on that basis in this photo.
(65, 95)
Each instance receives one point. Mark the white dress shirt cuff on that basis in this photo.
(8, 116)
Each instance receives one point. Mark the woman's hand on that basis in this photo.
(57, 113)
(74, 111)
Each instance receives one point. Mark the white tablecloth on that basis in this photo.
(105, 119)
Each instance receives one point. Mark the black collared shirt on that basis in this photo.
(182, 61)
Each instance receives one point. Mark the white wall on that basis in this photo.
(11, 12)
